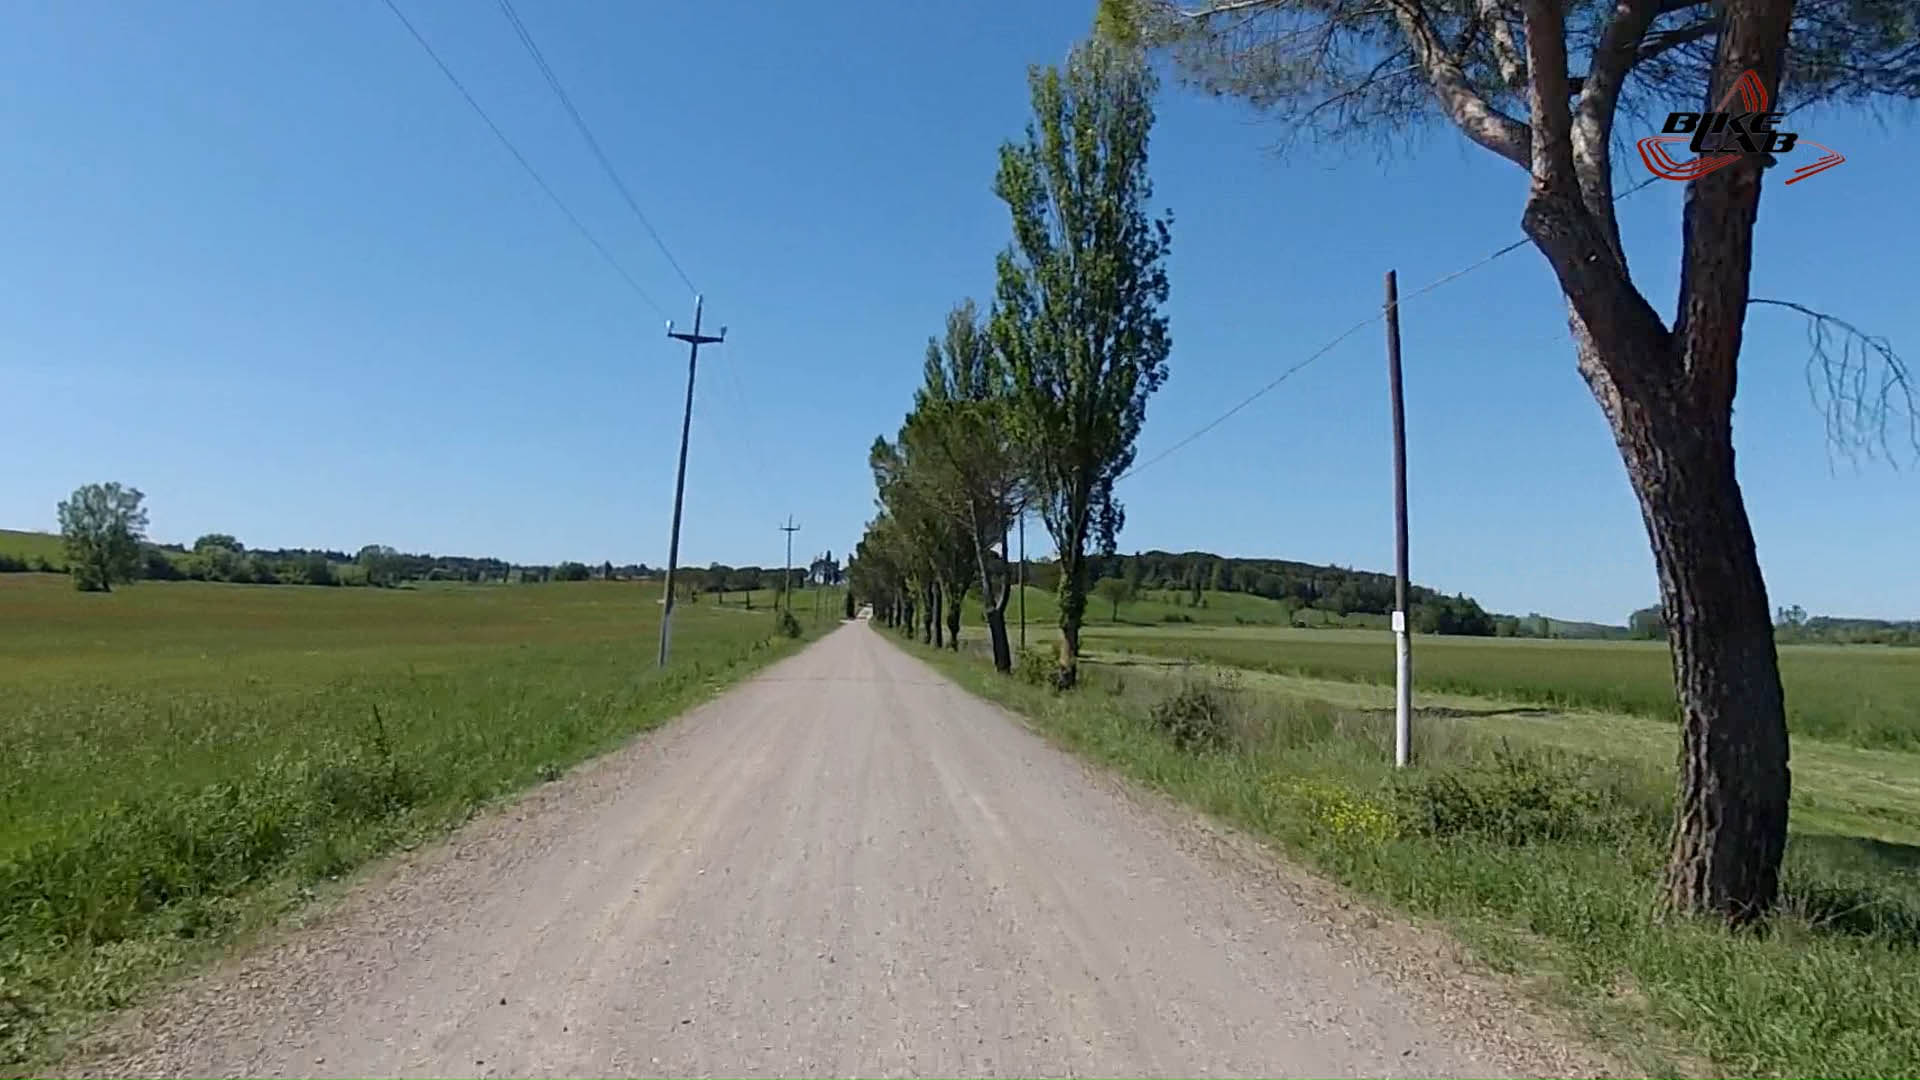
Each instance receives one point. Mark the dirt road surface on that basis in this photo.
(846, 866)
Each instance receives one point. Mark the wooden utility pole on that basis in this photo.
(786, 575)
(694, 341)
(1402, 646)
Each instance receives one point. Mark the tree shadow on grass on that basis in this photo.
(1444, 712)
(1855, 885)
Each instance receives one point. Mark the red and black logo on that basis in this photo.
(1722, 137)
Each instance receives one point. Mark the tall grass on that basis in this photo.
(181, 754)
(1546, 862)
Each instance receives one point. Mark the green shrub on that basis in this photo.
(1176, 616)
(786, 625)
(1334, 808)
(1035, 667)
(1518, 798)
(1196, 716)
(316, 570)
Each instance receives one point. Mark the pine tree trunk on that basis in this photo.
(997, 637)
(935, 599)
(955, 601)
(1730, 824)
(1730, 827)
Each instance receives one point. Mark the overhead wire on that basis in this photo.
(1335, 341)
(522, 159)
(579, 122)
(736, 392)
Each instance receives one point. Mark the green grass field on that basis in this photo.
(183, 759)
(1859, 694)
(1863, 695)
(1536, 835)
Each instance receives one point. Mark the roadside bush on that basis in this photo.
(1335, 808)
(1518, 798)
(1197, 716)
(786, 625)
(1176, 616)
(11, 565)
(1035, 667)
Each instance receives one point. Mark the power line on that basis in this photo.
(735, 394)
(553, 82)
(521, 158)
(1340, 337)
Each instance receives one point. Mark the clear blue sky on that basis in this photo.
(262, 262)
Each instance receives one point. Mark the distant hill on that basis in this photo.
(33, 550)
(1563, 628)
(1356, 597)
(1335, 590)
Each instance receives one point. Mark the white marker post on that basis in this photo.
(1402, 691)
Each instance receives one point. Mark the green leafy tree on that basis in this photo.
(572, 571)
(103, 526)
(1077, 311)
(1115, 591)
(974, 468)
(316, 570)
(881, 572)
(1499, 72)
(157, 565)
(916, 487)
(1648, 622)
(379, 563)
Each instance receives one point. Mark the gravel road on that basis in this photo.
(845, 866)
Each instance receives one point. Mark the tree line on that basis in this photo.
(1793, 626)
(1296, 586)
(103, 531)
(1033, 406)
(721, 580)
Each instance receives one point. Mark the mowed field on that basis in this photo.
(1861, 695)
(181, 757)
(1864, 695)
